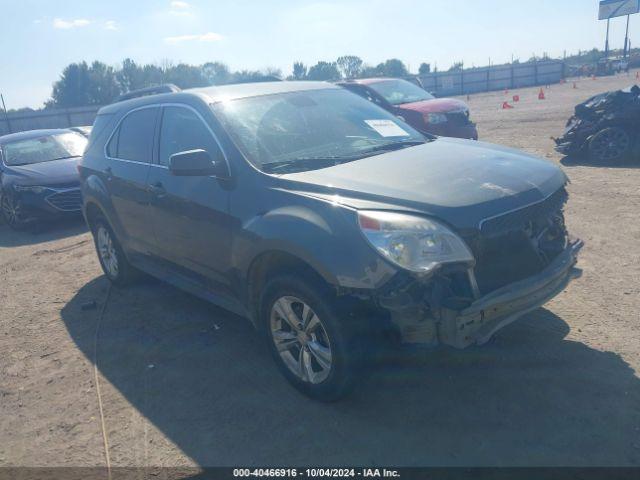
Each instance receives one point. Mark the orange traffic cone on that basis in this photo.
(516, 98)
(506, 106)
(541, 95)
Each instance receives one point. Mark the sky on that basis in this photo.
(38, 38)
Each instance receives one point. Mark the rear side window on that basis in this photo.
(183, 130)
(99, 124)
(134, 138)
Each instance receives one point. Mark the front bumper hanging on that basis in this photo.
(477, 323)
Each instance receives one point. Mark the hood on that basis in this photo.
(459, 181)
(56, 172)
(437, 105)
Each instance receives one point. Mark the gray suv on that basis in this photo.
(324, 220)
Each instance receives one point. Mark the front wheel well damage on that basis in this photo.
(271, 264)
(274, 263)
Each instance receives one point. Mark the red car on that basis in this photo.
(447, 117)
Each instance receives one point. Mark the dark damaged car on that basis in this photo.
(606, 127)
(325, 220)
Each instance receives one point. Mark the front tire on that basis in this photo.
(112, 259)
(314, 348)
(12, 213)
(610, 145)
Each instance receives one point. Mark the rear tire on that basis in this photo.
(314, 346)
(112, 259)
(610, 145)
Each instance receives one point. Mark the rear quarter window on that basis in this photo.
(99, 126)
(133, 140)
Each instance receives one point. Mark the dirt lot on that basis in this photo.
(184, 383)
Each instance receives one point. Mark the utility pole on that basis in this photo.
(606, 44)
(6, 115)
(626, 40)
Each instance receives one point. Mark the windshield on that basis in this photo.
(313, 129)
(399, 91)
(44, 149)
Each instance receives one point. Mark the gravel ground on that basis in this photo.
(184, 383)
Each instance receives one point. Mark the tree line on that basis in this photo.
(83, 84)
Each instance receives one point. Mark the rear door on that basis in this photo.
(190, 214)
(130, 154)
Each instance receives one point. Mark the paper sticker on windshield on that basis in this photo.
(387, 128)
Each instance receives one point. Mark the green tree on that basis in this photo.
(216, 73)
(185, 76)
(393, 68)
(324, 71)
(129, 76)
(299, 71)
(456, 67)
(349, 66)
(103, 87)
(247, 76)
(72, 89)
(272, 73)
(424, 69)
(369, 71)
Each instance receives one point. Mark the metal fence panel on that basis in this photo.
(494, 78)
(49, 118)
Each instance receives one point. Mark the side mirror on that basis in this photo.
(195, 163)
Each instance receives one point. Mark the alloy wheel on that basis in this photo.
(301, 339)
(107, 251)
(11, 211)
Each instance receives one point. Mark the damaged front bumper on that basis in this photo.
(476, 323)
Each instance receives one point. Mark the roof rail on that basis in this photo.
(143, 92)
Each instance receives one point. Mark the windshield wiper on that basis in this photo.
(314, 163)
(306, 163)
(388, 147)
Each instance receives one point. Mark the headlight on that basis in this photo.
(413, 243)
(29, 188)
(435, 118)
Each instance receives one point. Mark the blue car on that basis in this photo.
(39, 176)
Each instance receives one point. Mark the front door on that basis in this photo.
(190, 214)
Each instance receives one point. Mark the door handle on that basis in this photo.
(157, 189)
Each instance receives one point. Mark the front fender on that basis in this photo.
(326, 237)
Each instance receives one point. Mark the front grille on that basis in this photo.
(517, 219)
(505, 249)
(66, 200)
(459, 119)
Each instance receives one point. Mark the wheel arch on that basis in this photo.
(91, 213)
(271, 263)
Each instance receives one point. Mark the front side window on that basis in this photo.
(311, 129)
(44, 149)
(397, 91)
(183, 130)
(134, 138)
